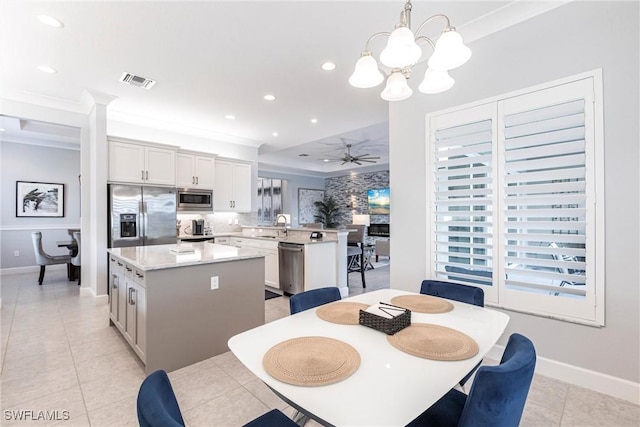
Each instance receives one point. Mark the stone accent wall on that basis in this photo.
(350, 191)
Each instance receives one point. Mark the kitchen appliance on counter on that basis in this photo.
(291, 267)
(141, 215)
(197, 227)
(190, 200)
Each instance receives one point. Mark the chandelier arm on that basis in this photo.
(373, 37)
(426, 39)
(445, 17)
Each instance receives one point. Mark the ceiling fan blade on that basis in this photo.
(357, 162)
(367, 160)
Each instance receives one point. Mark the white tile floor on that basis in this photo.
(59, 354)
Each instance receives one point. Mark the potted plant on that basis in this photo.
(328, 212)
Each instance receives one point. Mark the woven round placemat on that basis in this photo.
(311, 361)
(434, 342)
(423, 303)
(343, 313)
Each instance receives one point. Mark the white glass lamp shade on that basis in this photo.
(450, 52)
(362, 219)
(436, 81)
(397, 88)
(366, 73)
(401, 50)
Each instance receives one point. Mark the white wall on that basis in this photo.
(25, 162)
(574, 38)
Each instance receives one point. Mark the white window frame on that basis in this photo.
(590, 311)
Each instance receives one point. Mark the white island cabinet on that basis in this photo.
(176, 309)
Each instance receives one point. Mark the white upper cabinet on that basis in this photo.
(232, 191)
(195, 171)
(142, 164)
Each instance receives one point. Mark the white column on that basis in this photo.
(94, 172)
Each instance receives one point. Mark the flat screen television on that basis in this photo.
(378, 201)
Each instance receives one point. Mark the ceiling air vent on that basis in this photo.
(133, 80)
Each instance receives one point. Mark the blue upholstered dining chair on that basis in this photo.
(43, 259)
(497, 396)
(457, 292)
(313, 298)
(454, 291)
(157, 403)
(158, 407)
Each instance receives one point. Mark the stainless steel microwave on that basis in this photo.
(189, 199)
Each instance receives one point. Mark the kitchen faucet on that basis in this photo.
(282, 217)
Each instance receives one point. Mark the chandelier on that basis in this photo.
(403, 52)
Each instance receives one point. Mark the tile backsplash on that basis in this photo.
(220, 222)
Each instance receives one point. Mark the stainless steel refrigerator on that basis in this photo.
(141, 215)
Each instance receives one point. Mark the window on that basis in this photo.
(513, 199)
(269, 200)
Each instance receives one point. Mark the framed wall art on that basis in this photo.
(39, 199)
(306, 208)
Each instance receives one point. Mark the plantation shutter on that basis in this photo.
(512, 195)
(547, 199)
(463, 157)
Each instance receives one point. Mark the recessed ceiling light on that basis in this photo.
(230, 117)
(50, 21)
(269, 97)
(314, 120)
(328, 66)
(275, 134)
(2, 129)
(47, 69)
(326, 160)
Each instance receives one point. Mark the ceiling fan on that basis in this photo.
(357, 159)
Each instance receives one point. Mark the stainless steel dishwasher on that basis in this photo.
(291, 267)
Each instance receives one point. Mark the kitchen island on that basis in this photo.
(179, 304)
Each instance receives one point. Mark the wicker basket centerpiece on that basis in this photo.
(390, 319)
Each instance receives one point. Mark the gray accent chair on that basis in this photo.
(42, 258)
(75, 261)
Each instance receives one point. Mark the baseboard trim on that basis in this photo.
(30, 269)
(592, 380)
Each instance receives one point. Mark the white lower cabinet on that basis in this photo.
(225, 240)
(270, 250)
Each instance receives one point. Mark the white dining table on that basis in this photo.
(391, 387)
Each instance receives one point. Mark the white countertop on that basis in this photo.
(147, 258)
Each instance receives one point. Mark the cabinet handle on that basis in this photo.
(196, 179)
(131, 301)
(113, 285)
(147, 175)
(119, 264)
(129, 269)
(142, 175)
(193, 179)
(139, 275)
